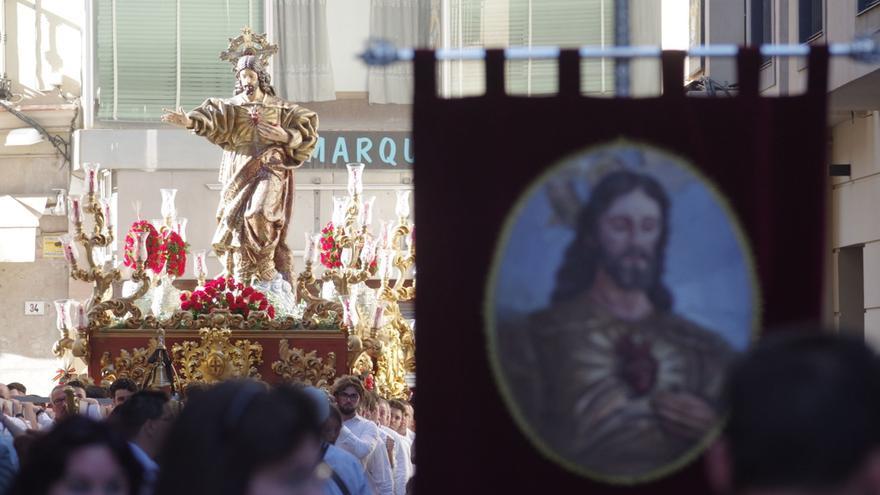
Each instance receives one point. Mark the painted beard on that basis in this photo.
(631, 276)
(249, 89)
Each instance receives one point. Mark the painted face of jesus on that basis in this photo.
(628, 233)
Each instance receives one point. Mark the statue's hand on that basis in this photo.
(178, 117)
(271, 132)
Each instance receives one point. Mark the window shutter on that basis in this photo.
(504, 23)
(137, 51)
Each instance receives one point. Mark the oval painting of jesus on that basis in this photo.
(621, 288)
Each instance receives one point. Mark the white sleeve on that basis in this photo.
(379, 469)
(93, 411)
(402, 466)
(44, 421)
(360, 448)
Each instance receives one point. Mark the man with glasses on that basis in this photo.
(365, 441)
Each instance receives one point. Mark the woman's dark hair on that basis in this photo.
(582, 256)
(47, 457)
(229, 432)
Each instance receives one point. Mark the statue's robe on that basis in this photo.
(256, 201)
(585, 381)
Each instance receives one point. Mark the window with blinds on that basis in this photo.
(164, 53)
(504, 23)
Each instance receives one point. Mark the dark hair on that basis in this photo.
(346, 381)
(263, 77)
(804, 411)
(16, 386)
(581, 259)
(129, 417)
(228, 432)
(96, 392)
(48, 455)
(122, 384)
(396, 404)
(75, 384)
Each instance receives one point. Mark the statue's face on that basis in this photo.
(629, 231)
(249, 80)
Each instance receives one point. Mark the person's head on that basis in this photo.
(332, 425)
(58, 397)
(122, 389)
(348, 392)
(370, 406)
(78, 456)
(384, 415)
(410, 416)
(145, 419)
(621, 230)
(398, 417)
(803, 412)
(79, 388)
(240, 438)
(96, 392)
(16, 389)
(250, 75)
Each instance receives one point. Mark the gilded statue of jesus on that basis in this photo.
(264, 138)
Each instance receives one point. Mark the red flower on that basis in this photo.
(263, 305)
(247, 291)
(229, 299)
(271, 311)
(186, 305)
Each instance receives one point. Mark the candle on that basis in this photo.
(71, 255)
(339, 207)
(108, 212)
(200, 264)
(180, 228)
(310, 248)
(141, 252)
(355, 178)
(61, 314)
(368, 210)
(345, 258)
(379, 314)
(402, 207)
(75, 209)
(81, 316)
(91, 176)
(169, 211)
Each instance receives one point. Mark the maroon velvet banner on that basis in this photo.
(475, 157)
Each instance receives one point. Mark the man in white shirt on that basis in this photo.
(403, 468)
(89, 407)
(410, 422)
(369, 446)
(145, 419)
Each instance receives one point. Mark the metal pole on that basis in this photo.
(621, 39)
(382, 53)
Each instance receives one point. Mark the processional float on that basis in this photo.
(333, 322)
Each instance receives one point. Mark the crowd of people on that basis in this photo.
(803, 419)
(236, 437)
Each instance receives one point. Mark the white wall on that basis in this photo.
(44, 42)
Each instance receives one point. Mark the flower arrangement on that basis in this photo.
(227, 294)
(165, 249)
(175, 253)
(330, 249)
(155, 247)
